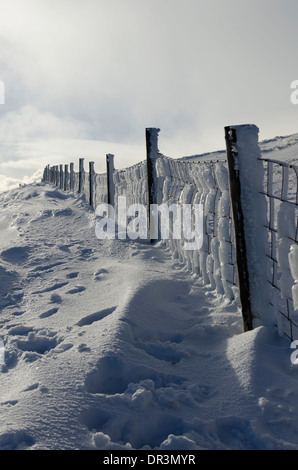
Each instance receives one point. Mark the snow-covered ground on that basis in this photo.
(113, 345)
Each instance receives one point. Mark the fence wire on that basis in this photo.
(132, 183)
(206, 183)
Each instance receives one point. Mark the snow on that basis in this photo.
(282, 148)
(114, 344)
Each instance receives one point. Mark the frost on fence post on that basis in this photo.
(152, 156)
(65, 177)
(61, 176)
(44, 175)
(91, 184)
(246, 177)
(48, 174)
(57, 175)
(71, 185)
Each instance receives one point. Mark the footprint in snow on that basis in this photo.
(72, 275)
(56, 299)
(16, 440)
(166, 352)
(20, 330)
(16, 255)
(49, 313)
(97, 316)
(38, 343)
(9, 403)
(46, 267)
(56, 286)
(31, 387)
(76, 290)
(83, 348)
(18, 313)
(98, 274)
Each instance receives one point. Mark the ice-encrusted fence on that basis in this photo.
(249, 248)
(206, 183)
(281, 192)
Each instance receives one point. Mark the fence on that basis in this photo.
(250, 237)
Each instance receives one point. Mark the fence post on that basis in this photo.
(61, 176)
(81, 174)
(91, 184)
(71, 186)
(65, 177)
(152, 155)
(57, 175)
(249, 208)
(48, 173)
(110, 181)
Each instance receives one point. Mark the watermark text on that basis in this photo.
(167, 221)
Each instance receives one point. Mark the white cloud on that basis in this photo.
(7, 183)
(79, 75)
(29, 123)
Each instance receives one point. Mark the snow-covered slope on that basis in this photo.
(113, 345)
(279, 148)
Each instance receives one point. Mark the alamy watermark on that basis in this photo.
(167, 221)
(294, 94)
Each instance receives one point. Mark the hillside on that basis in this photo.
(279, 148)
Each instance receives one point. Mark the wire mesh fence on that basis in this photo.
(281, 191)
(205, 183)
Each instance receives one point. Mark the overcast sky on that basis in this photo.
(86, 77)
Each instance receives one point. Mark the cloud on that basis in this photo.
(84, 78)
(29, 123)
(7, 183)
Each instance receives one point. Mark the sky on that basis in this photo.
(84, 78)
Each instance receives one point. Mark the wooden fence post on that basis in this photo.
(65, 177)
(57, 175)
(91, 184)
(110, 181)
(238, 218)
(47, 175)
(152, 155)
(71, 184)
(249, 210)
(81, 174)
(61, 177)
